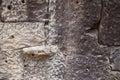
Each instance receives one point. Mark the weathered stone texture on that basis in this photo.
(115, 59)
(14, 10)
(109, 31)
(37, 10)
(78, 23)
(20, 35)
(24, 10)
(71, 31)
(14, 37)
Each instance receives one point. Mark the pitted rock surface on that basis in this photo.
(24, 10)
(76, 28)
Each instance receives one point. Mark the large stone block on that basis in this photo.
(13, 38)
(20, 35)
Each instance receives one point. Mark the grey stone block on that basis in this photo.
(109, 32)
(37, 10)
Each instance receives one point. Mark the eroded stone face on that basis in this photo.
(80, 57)
(115, 59)
(109, 32)
(17, 35)
(13, 38)
(14, 10)
(37, 10)
(24, 10)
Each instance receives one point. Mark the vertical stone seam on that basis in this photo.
(101, 16)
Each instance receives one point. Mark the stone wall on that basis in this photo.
(59, 40)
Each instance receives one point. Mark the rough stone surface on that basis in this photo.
(37, 10)
(14, 10)
(19, 66)
(114, 59)
(71, 34)
(14, 37)
(109, 28)
(78, 23)
(24, 10)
